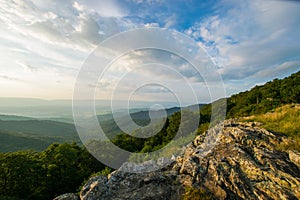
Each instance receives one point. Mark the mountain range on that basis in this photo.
(22, 133)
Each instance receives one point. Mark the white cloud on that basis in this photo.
(282, 69)
(51, 39)
(109, 8)
(170, 21)
(136, 68)
(150, 2)
(26, 66)
(151, 25)
(251, 36)
(9, 78)
(156, 63)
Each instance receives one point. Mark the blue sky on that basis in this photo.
(43, 43)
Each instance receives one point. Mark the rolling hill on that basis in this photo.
(22, 133)
(14, 118)
(141, 118)
(11, 141)
(34, 134)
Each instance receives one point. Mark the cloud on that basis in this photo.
(170, 21)
(107, 8)
(74, 25)
(246, 38)
(156, 63)
(151, 25)
(283, 69)
(38, 38)
(10, 78)
(26, 67)
(150, 2)
(154, 89)
(140, 68)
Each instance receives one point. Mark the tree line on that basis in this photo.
(59, 169)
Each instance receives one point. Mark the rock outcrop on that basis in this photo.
(244, 163)
(122, 185)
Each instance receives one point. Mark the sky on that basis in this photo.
(44, 43)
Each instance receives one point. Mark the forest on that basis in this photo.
(59, 169)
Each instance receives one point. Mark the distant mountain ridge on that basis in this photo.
(12, 141)
(141, 118)
(14, 118)
(22, 133)
(62, 108)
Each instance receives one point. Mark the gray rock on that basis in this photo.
(69, 196)
(295, 157)
(95, 188)
(243, 164)
(131, 186)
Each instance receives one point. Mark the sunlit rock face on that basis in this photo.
(243, 163)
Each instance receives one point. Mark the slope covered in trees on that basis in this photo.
(262, 99)
(43, 175)
(258, 100)
(34, 134)
(12, 141)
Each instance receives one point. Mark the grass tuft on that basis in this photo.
(283, 120)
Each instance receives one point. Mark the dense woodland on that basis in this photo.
(262, 99)
(59, 169)
(62, 168)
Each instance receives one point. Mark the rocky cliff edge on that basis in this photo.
(243, 164)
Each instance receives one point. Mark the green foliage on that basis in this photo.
(141, 118)
(293, 144)
(106, 171)
(174, 125)
(195, 194)
(59, 169)
(284, 120)
(19, 171)
(202, 128)
(40, 127)
(34, 134)
(11, 141)
(262, 99)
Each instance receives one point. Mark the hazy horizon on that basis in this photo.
(40, 108)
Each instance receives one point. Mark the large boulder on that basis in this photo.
(122, 185)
